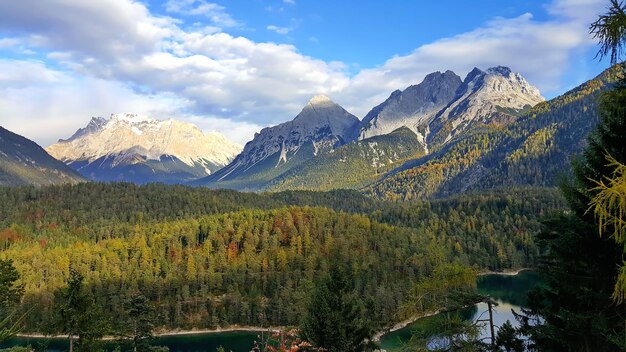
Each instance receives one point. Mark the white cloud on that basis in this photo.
(541, 51)
(279, 30)
(99, 29)
(215, 13)
(27, 73)
(65, 103)
(8, 42)
(237, 131)
(290, 2)
(117, 56)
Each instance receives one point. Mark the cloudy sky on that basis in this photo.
(239, 65)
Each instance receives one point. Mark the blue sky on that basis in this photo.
(237, 66)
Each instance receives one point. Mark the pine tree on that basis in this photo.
(507, 339)
(139, 323)
(335, 318)
(575, 311)
(10, 295)
(77, 316)
(10, 292)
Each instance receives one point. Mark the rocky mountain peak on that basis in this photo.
(136, 139)
(412, 108)
(473, 74)
(321, 126)
(499, 70)
(320, 100)
(496, 95)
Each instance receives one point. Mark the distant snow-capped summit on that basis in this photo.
(137, 148)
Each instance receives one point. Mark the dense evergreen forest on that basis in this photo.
(207, 258)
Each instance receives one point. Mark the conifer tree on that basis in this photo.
(575, 311)
(335, 319)
(77, 316)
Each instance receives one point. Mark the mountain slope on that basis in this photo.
(353, 165)
(319, 128)
(485, 98)
(129, 147)
(23, 162)
(532, 151)
(413, 108)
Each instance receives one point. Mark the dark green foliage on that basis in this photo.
(336, 319)
(138, 324)
(10, 291)
(610, 31)
(76, 315)
(508, 340)
(575, 306)
(17, 349)
(575, 311)
(10, 294)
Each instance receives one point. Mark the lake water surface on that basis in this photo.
(508, 290)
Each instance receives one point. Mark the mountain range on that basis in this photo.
(140, 149)
(443, 136)
(409, 125)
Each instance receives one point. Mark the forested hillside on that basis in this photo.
(353, 165)
(215, 258)
(533, 151)
(23, 162)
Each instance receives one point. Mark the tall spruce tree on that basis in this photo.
(335, 320)
(77, 315)
(576, 310)
(10, 295)
(139, 323)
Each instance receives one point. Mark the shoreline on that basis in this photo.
(510, 272)
(403, 324)
(235, 328)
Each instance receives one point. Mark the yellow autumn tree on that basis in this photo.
(609, 207)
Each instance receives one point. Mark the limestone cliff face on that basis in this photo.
(413, 108)
(497, 95)
(130, 141)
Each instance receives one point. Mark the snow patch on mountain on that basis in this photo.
(132, 138)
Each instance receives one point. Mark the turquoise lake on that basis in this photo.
(508, 290)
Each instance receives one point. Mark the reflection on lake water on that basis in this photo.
(508, 290)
